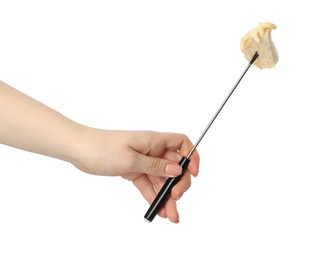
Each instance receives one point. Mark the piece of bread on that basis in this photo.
(259, 40)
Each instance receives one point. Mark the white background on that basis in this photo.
(165, 66)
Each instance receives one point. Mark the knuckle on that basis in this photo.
(155, 165)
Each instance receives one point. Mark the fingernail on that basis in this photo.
(173, 169)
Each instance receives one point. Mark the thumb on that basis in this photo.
(158, 166)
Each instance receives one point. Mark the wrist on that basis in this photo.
(86, 151)
(72, 148)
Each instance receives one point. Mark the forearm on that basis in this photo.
(29, 125)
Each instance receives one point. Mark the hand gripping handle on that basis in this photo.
(165, 192)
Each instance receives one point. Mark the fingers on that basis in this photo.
(148, 191)
(158, 154)
(184, 145)
(155, 166)
(166, 166)
(161, 161)
(181, 187)
(149, 186)
(171, 211)
(193, 166)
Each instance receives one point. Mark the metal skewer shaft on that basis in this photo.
(223, 104)
(165, 191)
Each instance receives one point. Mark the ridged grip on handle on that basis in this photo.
(165, 192)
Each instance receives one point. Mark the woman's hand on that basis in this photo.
(146, 158)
